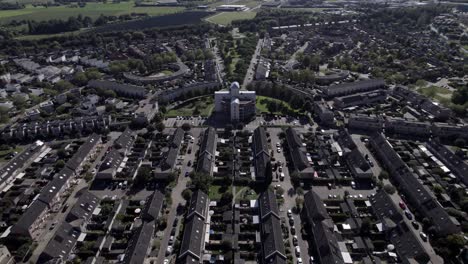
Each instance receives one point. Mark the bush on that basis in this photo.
(389, 189)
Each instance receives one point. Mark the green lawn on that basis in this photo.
(262, 106)
(246, 193)
(4, 153)
(204, 105)
(92, 10)
(216, 192)
(226, 18)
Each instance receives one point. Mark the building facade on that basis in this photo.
(239, 105)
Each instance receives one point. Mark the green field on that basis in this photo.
(262, 107)
(92, 10)
(4, 153)
(203, 107)
(226, 18)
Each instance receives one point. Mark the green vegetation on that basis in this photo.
(202, 106)
(215, 192)
(246, 193)
(5, 152)
(226, 18)
(93, 10)
(271, 105)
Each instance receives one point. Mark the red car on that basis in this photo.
(402, 205)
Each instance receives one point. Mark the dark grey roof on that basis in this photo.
(206, 154)
(193, 239)
(314, 207)
(138, 245)
(345, 140)
(110, 163)
(272, 240)
(268, 205)
(125, 140)
(61, 244)
(384, 207)
(261, 162)
(260, 142)
(119, 88)
(326, 244)
(17, 162)
(154, 205)
(346, 88)
(452, 161)
(296, 149)
(293, 138)
(84, 207)
(28, 218)
(198, 205)
(171, 155)
(83, 151)
(49, 192)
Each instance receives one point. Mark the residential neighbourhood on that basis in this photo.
(244, 131)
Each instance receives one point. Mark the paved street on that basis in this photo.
(177, 197)
(253, 62)
(289, 199)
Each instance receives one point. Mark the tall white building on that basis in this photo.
(239, 105)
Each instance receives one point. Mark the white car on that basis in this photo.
(289, 213)
(166, 261)
(299, 260)
(298, 251)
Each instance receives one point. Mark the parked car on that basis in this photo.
(297, 249)
(169, 250)
(291, 221)
(289, 213)
(402, 205)
(408, 215)
(293, 230)
(415, 225)
(299, 260)
(423, 236)
(295, 240)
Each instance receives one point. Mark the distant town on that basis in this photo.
(234, 131)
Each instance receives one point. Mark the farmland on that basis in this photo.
(92, 10)
(226, 18)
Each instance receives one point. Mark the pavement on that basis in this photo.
(176, 195)
(289, 199)
(396, 198)
(253, 62)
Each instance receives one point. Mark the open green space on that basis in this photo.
(248, 3)
(5, 153)
(262, 105)
(245, 193)
(202, 106)
(226, 18)
(92, 10)
(216, 192)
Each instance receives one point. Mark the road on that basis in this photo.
(396, 199)
(290, 63)
(218, 60)
(289, 199)
(47, 232)
(176, 195)
(253, 62)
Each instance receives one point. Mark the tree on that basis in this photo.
(201, 181)
(383, 175)
(294, 178)
(186, 126)
(4, 116)
(226, 198)
(389, 189)
(187, 194)
(19, 102)
(299, 203)
(438, 189)
(160, 126)
(59, 164)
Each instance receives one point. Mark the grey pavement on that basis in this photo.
(176, 195)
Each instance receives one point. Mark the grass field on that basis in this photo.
(226, 18)
(4, 153)
(262, 107)
(92, 10)
(204, 106)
